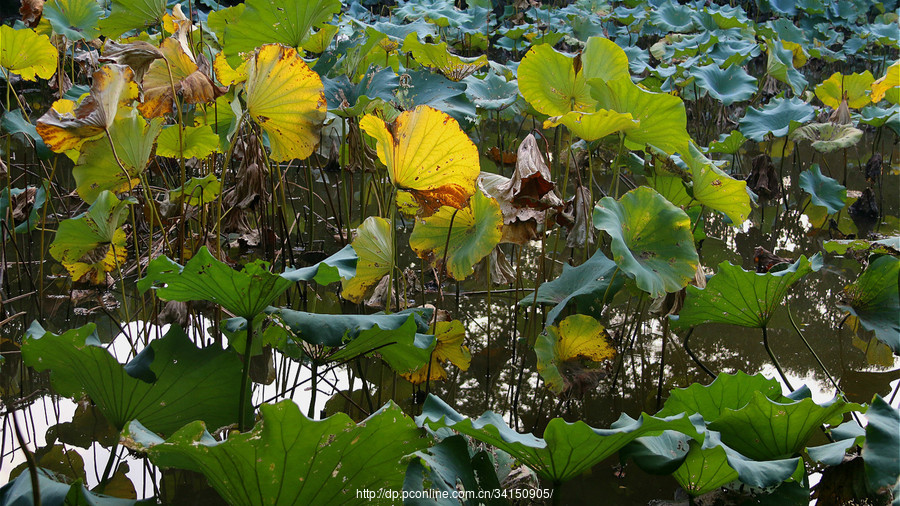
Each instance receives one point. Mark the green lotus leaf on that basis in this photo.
(728, 86)
(334, 457)
(458, 239)
(348, 100)
(264, 22)
(727, 391)
(566, 450)
(846, 436)
(448, 465)
(245, 293)
(336, 329)
(438, 92)
(402, 348)
(775, 118)
(55, 492)
(780, 65)
(823, 190)
(197, 191)
(97, 169)
(651, 240)
(492, 93)
(881, 451)
(217, 20)
(828, 137)
(197, 141)
(438, 57)
(555, 84)
(715, 189)
(591, 285)
(875, 116)
(375, 251)
(14, 123)
(662, 117)
(578, 337)
(740, 297)
(26, 54)
(37, 196)
(167, 385)
(673, 17)
(726, 16)
(129, 15)
(592, 126)
(222, 117)
(875, 299)
(74, 19)
(856, 87)
(881, 246)
(92, 244)
(672, 188)
(729, 143)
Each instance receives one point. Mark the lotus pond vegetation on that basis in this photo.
(435, 252)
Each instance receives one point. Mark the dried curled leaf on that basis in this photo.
(138, 55)
(187, 80)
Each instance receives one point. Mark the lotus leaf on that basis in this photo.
(14, 123)
(448, 347)
(458, 239)
(55, 492)
(591, 285)
(438, 57)
(245, 293)
(717, 190)
(98, 166)
(434, 90)
(881, 451)
(92, 244)
(775, 118)
(592, 126)
(348, 100)
(874, 299)
(265, 21)
(175, 73)
(286, 99)
(493, 92)
(854, 87)
(727, 297)
(448, 464)
(197, 141)
(733, 84)
(167, 385)
(375, 251)
(673, 17)
(26, 54)
(781, 66)
(130, 15)
(198, 191)
(727, 391)
(578, 337)
(823, 190)
(335, 329)
(17, 201)
(334, 457)
(74, 19)
(402, 348)
(652, 240)
(891, 79)
(427, 155)
(566, 450)
(828, 137)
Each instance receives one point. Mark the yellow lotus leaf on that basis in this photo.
(66, 127)
(373, 247)
(26, 53)
(188, 79)
(459, 237)
(854, 87)
(228, 75)
(438, 57)
(562, 352)
(449, 348)
(427, 155)
(890, 80)
(105, 258)
(591, 126)
(286, 99)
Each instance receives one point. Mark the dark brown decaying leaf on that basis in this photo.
(31, 11)
(581, 207)
(866, 207)
(873, 168)
(138, 55)
(190, 79)
(531, 181)
(763, 179)
(765, 259)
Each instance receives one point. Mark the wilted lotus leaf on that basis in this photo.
(438, 57)
(520, 223)
(373, 247)
(531, 182)
(828, 137)
(428, 156)
(854, 88)
(23, 205)
(875, 300)
(890, 80)
(591, 126)
(285, 98)
(555, 84)
(288, 23)
(458, 238)
(449, 347)
(27, 54)
(97, 169)
(92, 244)
(31, 11)
(132, 14)
(66, 126)
(823, 190)
(198, 191)
(198, 141)
(138, 55)
(565, 353)
(188, 79)
(651, 240)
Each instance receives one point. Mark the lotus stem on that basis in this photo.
(816, 356)
(32, 464)
(778, 368)
(315, 387)
(694, 357)
(245, 376)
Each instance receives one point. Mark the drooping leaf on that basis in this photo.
(881, 451)
(26, 54)
(334, 457)
(473, 233)
(67, 126)
(856, 87)
(54, 492)
(717, 190)
(92, 244)
(285, 98)
(448, 465)
(198, 141)
(175, 74)
(733, 84)
(137, 54)
(427, 155)
(24, 206)
(167, 385)
(448, 347)
(823, 190)
(335, 329)
(875, 299)
(591, 285)
(775, 118)
(245, 293)
(197, 191)
(780, 65)
(97, 169)
(74, 19)
(828, 137)
(578, 338)
(402, 348)
(566, 450)
(652, 240)
(438, 57)
(14, 123)
(740, 297)
(375, 251)
(267, 21)
(592, 126)
(132, 15)
(891, 79)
